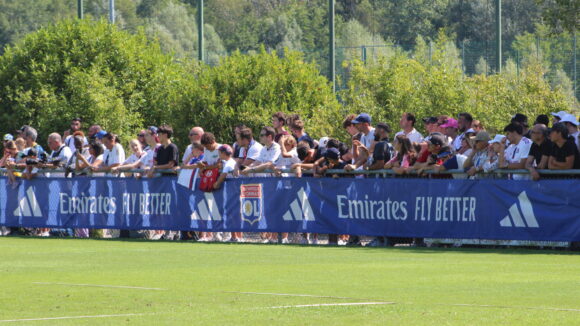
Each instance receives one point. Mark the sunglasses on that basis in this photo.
(193, 134)
(141, 135)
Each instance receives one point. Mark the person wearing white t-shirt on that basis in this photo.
(75, 127)
(250, 149)
(134, 161)
(572, 124)
(407, 123)
(269, 153)
(516, 154)
(114, 153)
(194, 137)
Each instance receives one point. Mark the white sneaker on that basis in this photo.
(218, 236)
(265, 241)
(45, 234)
(285, 241)
(341, 243)
(314, 241)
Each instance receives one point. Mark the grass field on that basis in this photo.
(178, 283)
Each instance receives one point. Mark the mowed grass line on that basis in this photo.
(199, 284)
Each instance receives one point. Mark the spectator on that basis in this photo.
(79, 150)
(436, 144)
(479, 156)
(31, 164)
(564, 155)
(430, 124)
(93, 130)
(477, 126)
(134, 161)
(288, 155)
(542, 119)
(75, 125)
(297, 129)
(141, 138)
(228, 165)
(516, 154)
(9, 156)
(167, 156)
(363, 124)
(383, 150)
(152, 138)
(29, 135)
(331, 161)
(278, 122)
(196, 156)
(450, 129)
(539, 151)
(269, 154)
(249, 149)
(307, 157)
(464, 121)
(522, 120)
(497, 147)
(557, 116)
(210, 161)
(354, 133)
(467, 143)
(407, 123)
(194, 137)
(60, 156)
(572, 124)
(405, 155)
(94, 161)
(236, 146)
(114, 153)
(6, 139)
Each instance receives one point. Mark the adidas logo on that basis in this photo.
(300, 209)
(207, 209)
(526, 212)
(28, 205)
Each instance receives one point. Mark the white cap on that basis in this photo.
(470, 131)
(569, 118)
(559, 114)
(322, 142)
(497, 139)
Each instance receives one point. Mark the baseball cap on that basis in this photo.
(323, 141)
(101, 134)
(450, 123)
(226, 149)
(436, 138)
(430, 120)
(362, 118)
(153, 129)
(497, 139)
(570, 118)
(384, 126)
(332, 153)
(559, 114)
(8, 137)
(521, 118)
(482, 136)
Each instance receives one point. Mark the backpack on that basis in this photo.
(208, 178)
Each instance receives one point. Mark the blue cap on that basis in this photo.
(101, 134)
(153, 129)
(332, 153)
(362, 118)
(8, 137)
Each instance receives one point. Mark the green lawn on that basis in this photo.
(200, 284)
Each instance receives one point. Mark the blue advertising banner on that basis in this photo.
(548, 210)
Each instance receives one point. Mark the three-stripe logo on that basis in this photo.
(28, 205)
(527, 214)
(300, 209)
(207, 209)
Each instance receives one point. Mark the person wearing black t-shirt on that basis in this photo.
(167, 155)
(540, 150)
(564, 155)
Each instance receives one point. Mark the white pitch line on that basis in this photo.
(70, 317)
(332, 304)
(295, 295)
(101, 286)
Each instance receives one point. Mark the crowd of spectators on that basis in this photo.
(452, 144)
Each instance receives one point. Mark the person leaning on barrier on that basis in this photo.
(383, 150)
(297, 129)
(539, 151)
(167, 156)
(270, 152)
(249, 149)
(75, 126)
(94, 160)
(288, 155)
(436, 144)
(405, 155)
(495, 148)
(134, 161)
(8, 160)
(572, 124)
(60, 155)
(29, 135)
(514, 157)
(78, 150)
(331, 161)
(479, 156)
(564, 155)
(114, 153)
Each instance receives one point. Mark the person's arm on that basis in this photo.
(530, 167)
(220, 180)
(469, 161)
(259, 168)
(553, 164)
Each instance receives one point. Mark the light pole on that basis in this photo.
(200, 30)
(112, 11)
(80, 9)
(498, 34)
(331, 44)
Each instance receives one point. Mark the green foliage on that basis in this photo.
(248, 89)
(87, 69)
(435, 85)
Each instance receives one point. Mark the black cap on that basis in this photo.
(384, 126)
(436, 138)
(332, 153)
(430, 120)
